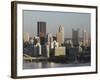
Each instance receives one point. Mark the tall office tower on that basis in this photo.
(49, 38)
(37, 46)
(60, 35)
(41, 31)
(85, 38)
(26, 37)
(75, 37)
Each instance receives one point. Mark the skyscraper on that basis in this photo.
(60, 35)
(41, 31)
(26, 37)
(75, 37)
(84, 37)
(37, 46)
(49, 38)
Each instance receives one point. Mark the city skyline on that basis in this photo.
(52, 45)
(59, 37)
(31, 18)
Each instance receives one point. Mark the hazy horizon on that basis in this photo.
(53, 20)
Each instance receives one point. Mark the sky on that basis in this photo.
(54, 19)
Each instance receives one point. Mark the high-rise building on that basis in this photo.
(49, 38)
(44, 50)
(37, 46)
(53, 45)
(48, 50)
(31, 41)
(85, 38)
(26, 37)
(60, 35)
(75, 37)
(41, 31)
(72, 56)
(36, 40)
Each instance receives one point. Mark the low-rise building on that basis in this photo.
(60, 51)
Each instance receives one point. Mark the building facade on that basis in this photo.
(49, 38)
(41, 31)
(60, 35)
(26, 37)
(85, 38)
(60, 51)
(75, 37)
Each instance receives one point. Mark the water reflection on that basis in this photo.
(45, 64)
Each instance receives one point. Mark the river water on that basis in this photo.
(46, 64)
